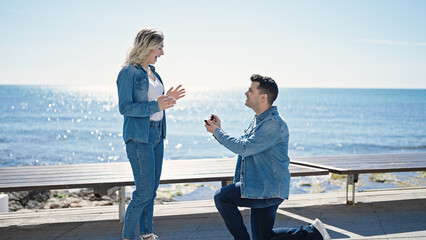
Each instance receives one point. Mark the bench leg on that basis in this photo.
(226, 182)
(351, 179)
(121, 203)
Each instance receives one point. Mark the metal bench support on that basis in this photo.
(121, 203)
(351, 179)
(226, 182)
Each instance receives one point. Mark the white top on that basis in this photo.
(154, 91)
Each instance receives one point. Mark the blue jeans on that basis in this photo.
(308, 232)
(146, 160)
(262, 217)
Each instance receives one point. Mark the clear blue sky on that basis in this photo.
(366, 44)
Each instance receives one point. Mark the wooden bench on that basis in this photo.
(354, 165)
(106, 178)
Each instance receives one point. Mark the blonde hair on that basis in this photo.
(146, 40)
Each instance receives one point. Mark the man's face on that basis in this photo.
(253, 95)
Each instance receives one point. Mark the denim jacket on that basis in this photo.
(133, 84)
(262, 163)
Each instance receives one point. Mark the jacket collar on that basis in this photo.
(140, 67)
(266, 113)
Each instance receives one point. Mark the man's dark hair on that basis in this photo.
(266, 86)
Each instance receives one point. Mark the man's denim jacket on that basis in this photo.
(133, 84)
(262, 165)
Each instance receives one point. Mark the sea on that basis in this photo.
(58, 125)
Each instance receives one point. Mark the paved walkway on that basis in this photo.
(390, 214)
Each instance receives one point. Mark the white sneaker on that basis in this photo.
(320, 227)
(151, 236)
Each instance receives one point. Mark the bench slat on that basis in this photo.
(372, 163)
(120, 174)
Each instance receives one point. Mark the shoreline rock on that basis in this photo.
(34, 200)
(27, 200)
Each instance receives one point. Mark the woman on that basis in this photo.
(142, 102)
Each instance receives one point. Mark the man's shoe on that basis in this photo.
(151, 236)
(320, 227)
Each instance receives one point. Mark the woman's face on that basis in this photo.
(154, 54)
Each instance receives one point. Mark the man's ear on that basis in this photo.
(264, 97)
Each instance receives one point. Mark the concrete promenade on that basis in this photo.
(382, 214)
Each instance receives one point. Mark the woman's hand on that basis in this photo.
(177, 93)
(165, 102)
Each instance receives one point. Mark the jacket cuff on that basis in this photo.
(153, 107)
(218, 133)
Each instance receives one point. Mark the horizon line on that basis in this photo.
(210, 88)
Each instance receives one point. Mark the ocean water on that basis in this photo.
(43, 125)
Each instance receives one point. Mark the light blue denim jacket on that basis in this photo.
(133, 84)
(262, 164)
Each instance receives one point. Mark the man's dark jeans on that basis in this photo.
(262, 217)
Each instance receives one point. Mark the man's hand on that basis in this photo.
(215, 119)
(177, 93)
(211, 125)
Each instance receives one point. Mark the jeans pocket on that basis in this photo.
(130, 146)
(154, 135)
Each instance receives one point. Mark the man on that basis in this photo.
(262, 178)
